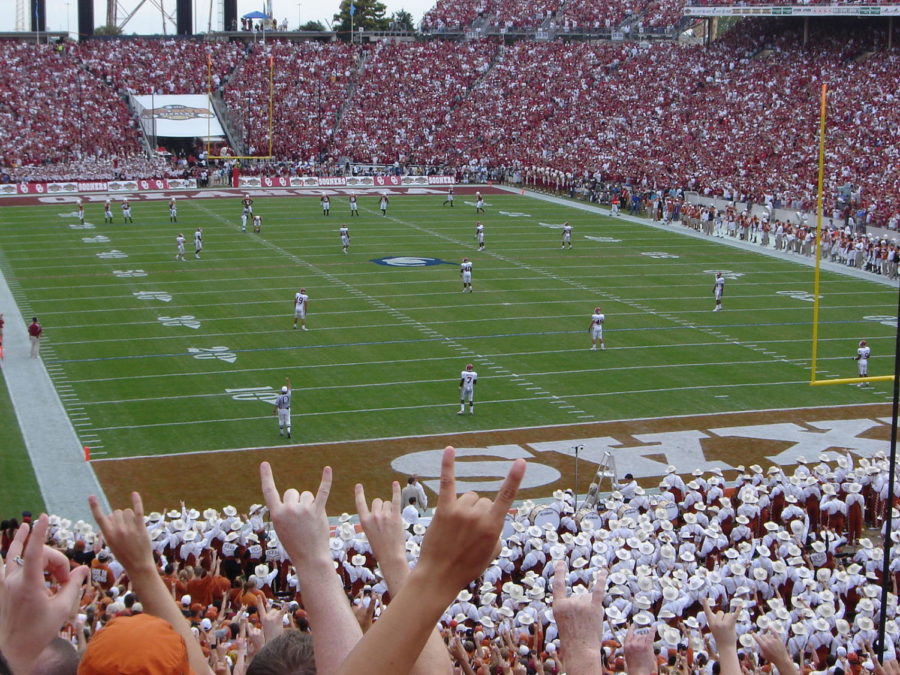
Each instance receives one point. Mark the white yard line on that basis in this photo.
(381, 439)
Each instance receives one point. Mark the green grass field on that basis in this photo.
(386, 344)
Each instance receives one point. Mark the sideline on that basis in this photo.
(63, 477)
(688, 232)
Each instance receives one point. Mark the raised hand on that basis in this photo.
(383, 526)
(30, 615)
(639, 656)
(465, 533)
(579, 619)
(299, 518)
(772, 648)
(721, 624)
(126, 535)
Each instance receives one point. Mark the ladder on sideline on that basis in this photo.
(606, 471)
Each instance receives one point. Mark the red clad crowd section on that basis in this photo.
(310, 80)
(738, 117)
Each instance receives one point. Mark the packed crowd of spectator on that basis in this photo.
(789, 561)
(405, 93)
(53, 111)
(311, 82)
(143, 66)
(454, 15)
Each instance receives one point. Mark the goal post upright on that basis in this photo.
(819, 201)
(814, 381)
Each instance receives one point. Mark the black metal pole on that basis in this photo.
(889, 504)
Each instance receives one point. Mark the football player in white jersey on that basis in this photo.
(566, 235)
(301, 301)
(465, 271)
(479, 235)
(198, 242)
(173, 211)
(383, 204)
(179, 247)
(345, 237)
(107, 212)
(126, 211)
(80, 211)
(479, 203)
(283, 409)
(354, 206)
(596, 330)
(257, 224)
(449, 199)
(719, 291)
(862, 361)
(326, 205)
(467, 381)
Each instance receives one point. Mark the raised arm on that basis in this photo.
(722, 627)
(461, 541)
(772, 647)
(128, 539)
(302, 526)
(579, 619)
(30, 616)
(384, 529)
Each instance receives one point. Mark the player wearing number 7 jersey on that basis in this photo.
(467, 381)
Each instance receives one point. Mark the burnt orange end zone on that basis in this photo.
(219, 478)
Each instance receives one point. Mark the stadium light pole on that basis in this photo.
(889, 504)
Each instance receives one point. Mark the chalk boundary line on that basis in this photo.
(57, 457)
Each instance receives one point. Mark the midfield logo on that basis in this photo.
(108, 255)
(127, 274)
(409, 261)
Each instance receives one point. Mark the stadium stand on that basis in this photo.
(404, 93)
(167, 66)
(53, 111)
(792, 554)
(312, 81)
(453, 15)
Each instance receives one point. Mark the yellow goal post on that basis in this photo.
(814, 381)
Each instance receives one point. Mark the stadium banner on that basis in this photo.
(174, 116)
(795, 10)
(70, 187)
(341, 181)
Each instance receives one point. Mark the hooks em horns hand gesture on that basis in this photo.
(300, 518)
(31, 616)
(464, 535)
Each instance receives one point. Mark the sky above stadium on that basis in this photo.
(62, 15)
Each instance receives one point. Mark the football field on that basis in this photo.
(158, 357)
